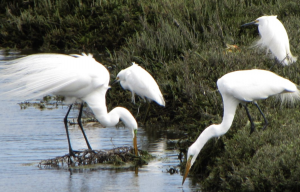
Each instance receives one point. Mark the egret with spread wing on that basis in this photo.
(76, 77)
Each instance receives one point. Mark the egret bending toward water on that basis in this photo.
(76, 77)
(139, 81)
(241, 87)
(274, 37)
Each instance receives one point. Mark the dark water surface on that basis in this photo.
(31, 135)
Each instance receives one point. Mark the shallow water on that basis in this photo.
(31, 135)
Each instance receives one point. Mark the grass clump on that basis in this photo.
(63, 25)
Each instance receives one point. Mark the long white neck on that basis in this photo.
(230, 105)
(97, 103)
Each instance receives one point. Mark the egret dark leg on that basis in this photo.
(81, 127)
(266, 122)
(275, 61)
(273, 65)
(138, 110)
(71, 152)
(252, 127)
(147, 112)
(286, 57)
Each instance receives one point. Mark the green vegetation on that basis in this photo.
(183, 45)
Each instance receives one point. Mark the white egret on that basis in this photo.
(140, 82)
(242, 87)
(274, 37)
(76, 77)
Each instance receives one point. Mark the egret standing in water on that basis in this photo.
(274, 37)
(140, 82)
(76, 77)
(242, 87)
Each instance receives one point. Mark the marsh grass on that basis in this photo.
(183, 45)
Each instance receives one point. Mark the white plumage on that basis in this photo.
(256, 84)
(41, 74)
(140, 82)
(77, 77)
(274, 38)
(241, 87)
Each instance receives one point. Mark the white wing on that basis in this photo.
(42, 74)
(251, 85)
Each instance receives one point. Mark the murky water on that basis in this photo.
(28, 136)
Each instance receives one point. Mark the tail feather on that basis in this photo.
(162, 101)
(291, 59)
(290, 97)
(29, 91)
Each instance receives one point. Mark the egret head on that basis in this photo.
(191, 157)
(193, 151)
(256, 22)
(119, 77)
(116, 80)
(131, 123)
(261, 20)
(125, 73)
